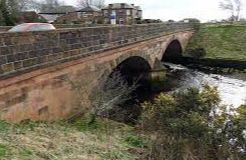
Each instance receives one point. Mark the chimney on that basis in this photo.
(110, 5)
(132, 5)
(122, 5)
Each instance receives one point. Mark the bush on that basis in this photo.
(230, 134)
(184, 114)
(186, 122)
(180, 121)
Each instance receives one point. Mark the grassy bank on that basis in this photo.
(221, 41)
(78, 141)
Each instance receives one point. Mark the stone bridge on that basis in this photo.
(33, 64)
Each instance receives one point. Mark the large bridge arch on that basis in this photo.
(135, 70)
(133, 67)
(134, 73)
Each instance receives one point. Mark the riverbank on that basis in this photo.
(104, 140)
(212, 65)
(220, 42)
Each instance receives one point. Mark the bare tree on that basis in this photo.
(24, 5)
(49, 5)
(108, 92)
(21, 5)
(86, 3)
(238, 8)
(54, 6)
(234, 7)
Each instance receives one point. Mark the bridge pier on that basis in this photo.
(157, 77)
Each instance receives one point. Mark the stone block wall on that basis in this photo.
(5, 28)
(24, 52)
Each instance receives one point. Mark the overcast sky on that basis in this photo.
(177, 9)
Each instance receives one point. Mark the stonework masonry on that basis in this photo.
(32, 64)
(20, 52)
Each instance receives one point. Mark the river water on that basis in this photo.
(232, 88)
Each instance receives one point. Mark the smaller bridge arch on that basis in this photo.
(173, 50)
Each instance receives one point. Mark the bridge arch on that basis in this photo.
(133, 70)
(173, 50)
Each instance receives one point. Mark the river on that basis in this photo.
(232, 88)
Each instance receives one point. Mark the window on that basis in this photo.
(121, 21)
(106, 20)
(128, 12)
(78, 15)
(113, 12)
(84, 14)
(105, 12)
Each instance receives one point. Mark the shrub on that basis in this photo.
(184, 122)
(186, 126)
(184, 114)
(230, 134)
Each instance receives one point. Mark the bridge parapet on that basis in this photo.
(23, 52)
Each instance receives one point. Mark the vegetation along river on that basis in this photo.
(232, 88)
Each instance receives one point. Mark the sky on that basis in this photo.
(204, 10)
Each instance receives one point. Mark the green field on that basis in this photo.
(221, 41)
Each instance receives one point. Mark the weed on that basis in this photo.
(3, 150)
(116, 155)
(4, 126)
(25, 153)
(134, 140)
(84, 125)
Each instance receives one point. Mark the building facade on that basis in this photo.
(123, 13)
(90, 14)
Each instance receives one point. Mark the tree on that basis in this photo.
(86, 3)
(24, 5)
(234, 7)
(108, 93)
(54, 6)
(20, 5)
(49, 5)
(8, 12)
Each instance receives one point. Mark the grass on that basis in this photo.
(134, 140)
(3, 150)
(221, 41)
(104, 139)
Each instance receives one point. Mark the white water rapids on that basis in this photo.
(232, 90)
